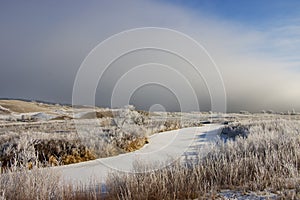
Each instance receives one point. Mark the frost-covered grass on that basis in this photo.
(23, 184)
(20, 183)
(268, 158)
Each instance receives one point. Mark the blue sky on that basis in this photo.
(278, 20)
(256, 13)
(256, 44)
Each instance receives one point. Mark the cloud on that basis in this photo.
(40, 56)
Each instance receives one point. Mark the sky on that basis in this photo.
(254, 44)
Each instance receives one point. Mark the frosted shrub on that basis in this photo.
(128, 116)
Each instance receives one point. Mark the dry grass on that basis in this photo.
(76, 156)
(26, 148)
(98, 114)
(136, 144)
(23, 106)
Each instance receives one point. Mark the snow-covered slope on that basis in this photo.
(162, 147)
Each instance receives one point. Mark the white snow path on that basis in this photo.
(161, 148)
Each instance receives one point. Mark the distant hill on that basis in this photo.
(21, 106)
(35, 100)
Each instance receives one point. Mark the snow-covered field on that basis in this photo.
(36, 135)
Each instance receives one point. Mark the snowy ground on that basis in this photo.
(162, 148)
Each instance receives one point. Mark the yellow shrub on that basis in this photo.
(136, 144)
